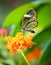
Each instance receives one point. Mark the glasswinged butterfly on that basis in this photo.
(29, 21)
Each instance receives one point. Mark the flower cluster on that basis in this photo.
(19, 42)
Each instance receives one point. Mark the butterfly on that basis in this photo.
(29, 21)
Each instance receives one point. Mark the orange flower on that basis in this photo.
(19, 42)
(35, 54)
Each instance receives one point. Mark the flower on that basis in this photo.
(3, 31)
(19, 42)
(35, 54)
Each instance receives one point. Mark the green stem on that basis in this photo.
(25, 58)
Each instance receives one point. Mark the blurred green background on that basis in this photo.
(11, 14)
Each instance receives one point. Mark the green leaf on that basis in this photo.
(46, 56)
(15, 17)
(1, 63)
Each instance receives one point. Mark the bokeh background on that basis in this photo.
(11, 15)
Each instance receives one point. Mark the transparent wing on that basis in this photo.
(29, 21)
(30, 24)
(29, 15)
